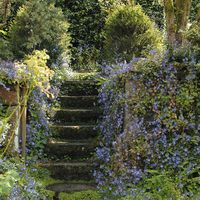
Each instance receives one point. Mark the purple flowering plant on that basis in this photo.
(160, 139)
(31, 74)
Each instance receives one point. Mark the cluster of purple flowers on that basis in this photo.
(38, 122)
(162, 132)
(8, 70)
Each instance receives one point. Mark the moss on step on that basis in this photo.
(71, 170)
(73, 132)
(78, 101)
(79, 88)
(84, 195)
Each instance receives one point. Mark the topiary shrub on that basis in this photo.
(128, 33)
(39, 25)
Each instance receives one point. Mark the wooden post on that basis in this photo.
(23, 121)
(17, 122)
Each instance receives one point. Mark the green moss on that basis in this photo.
(85, 195)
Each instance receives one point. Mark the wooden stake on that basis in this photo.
(23, 122)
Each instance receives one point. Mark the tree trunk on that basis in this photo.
(198, 14)
(182, 11)
(5, 10)
(170, 21)
(177, 15)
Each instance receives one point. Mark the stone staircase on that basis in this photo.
(74, 140)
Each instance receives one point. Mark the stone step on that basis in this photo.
(70, 171)
(73, 149)
(63, 116)
(78, 101)
(71, 186)
(74, 131)
(79, 88)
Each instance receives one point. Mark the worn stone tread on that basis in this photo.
(76, 115)
(74, 131)
(70, 170)
(70, 148)
(71, 187)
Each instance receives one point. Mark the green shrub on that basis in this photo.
(39, 25)
(128, 33)
(5, 52)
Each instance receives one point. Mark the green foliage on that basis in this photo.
(17, 181)
(161, 185)
(193, 36)
(154, 9)
(130, 33)
(8, 177)
(194, 9)
(39, 25)
(86, 23)
(5, 52)
(28, 71)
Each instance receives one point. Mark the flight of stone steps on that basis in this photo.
(74, 140)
